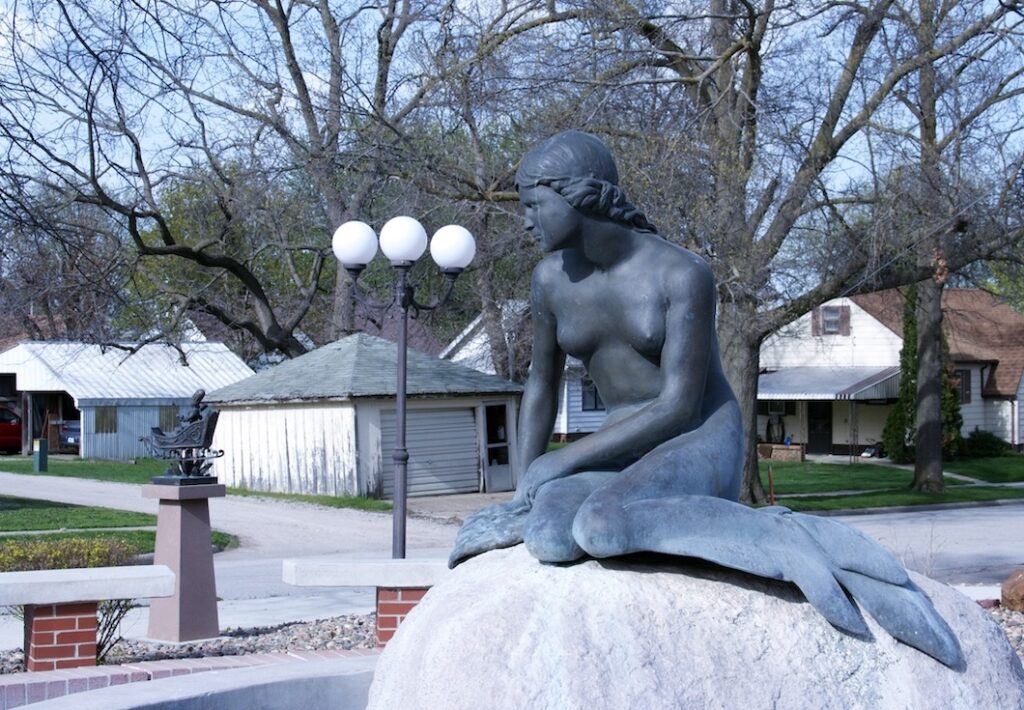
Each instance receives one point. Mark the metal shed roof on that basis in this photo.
(800, 383)
(94, 375)
(359, 365)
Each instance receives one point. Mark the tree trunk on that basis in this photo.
(494, 330)
(740, 359)
(928, 463)
(928, 455)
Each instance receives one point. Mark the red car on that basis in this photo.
(10, 431)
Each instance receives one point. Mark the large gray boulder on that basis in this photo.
(505, 631)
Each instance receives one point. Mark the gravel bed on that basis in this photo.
(342, 632)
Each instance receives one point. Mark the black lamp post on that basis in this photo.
(403, 241)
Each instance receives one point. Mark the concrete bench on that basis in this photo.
(60, 607)
(400, 584)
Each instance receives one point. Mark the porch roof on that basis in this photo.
(802, 383)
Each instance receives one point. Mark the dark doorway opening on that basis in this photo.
(819, 427)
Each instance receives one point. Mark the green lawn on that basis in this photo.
(1002, 469)
(32, 514)
(357, 502)
(885, 499)
(807, 477)
(117, 471)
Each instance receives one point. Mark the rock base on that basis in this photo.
(505, 631)
(1012, 591)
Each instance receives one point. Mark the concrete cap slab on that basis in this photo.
(202, 490)
(380, 572)
(55, 586)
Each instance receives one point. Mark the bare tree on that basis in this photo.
(119, 106)
(964, 106)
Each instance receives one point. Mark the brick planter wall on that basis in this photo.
(60, 636)
(393, 605)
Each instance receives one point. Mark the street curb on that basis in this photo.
(918, 508)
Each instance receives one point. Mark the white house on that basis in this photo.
(831, 376)
(118, 395)
(324, 423)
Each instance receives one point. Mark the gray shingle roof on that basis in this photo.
(359, 365)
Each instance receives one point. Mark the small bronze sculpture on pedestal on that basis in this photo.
(187, 446)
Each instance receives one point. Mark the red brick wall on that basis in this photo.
(393, 605)
(60, 636)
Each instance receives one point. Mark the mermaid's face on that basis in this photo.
(548, 217)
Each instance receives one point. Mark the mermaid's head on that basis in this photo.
(580, 168)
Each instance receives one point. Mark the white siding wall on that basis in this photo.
(1018, 416)
(973, 412)
(577, 420)
(133, 423)
(562, 417)
(476, 353)
(870, 422)
(301, 448)
(869, 343)
(998, 419)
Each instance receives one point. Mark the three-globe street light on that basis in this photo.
(403, 240)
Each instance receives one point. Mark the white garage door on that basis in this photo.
(443, 455)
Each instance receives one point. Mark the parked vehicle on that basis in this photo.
(69, 435)
(10, 431)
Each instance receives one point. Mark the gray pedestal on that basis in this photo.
(183, 544)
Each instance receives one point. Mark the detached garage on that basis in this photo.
(324, 423)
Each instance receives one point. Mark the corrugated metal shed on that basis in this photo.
(823, 383)
(97, 376)
(359, 365)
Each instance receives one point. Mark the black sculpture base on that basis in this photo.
(171, 480)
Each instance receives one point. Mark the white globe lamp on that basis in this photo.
(403, 239)
(452, 247)
(354, 243)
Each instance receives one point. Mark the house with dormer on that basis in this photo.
(831, 376)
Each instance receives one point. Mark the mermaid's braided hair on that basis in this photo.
(580, 168)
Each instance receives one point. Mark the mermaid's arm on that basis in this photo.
(540, 397)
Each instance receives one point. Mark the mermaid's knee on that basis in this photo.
(598, 528)
(547, 531)
(550, 540)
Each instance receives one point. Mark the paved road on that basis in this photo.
(969, 545)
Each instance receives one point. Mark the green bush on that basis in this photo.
(69, 553)
(984, 444)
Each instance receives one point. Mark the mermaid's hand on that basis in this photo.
(544, 469)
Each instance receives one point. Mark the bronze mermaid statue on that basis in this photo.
(663, 472)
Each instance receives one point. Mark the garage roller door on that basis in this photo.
(443, 456)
